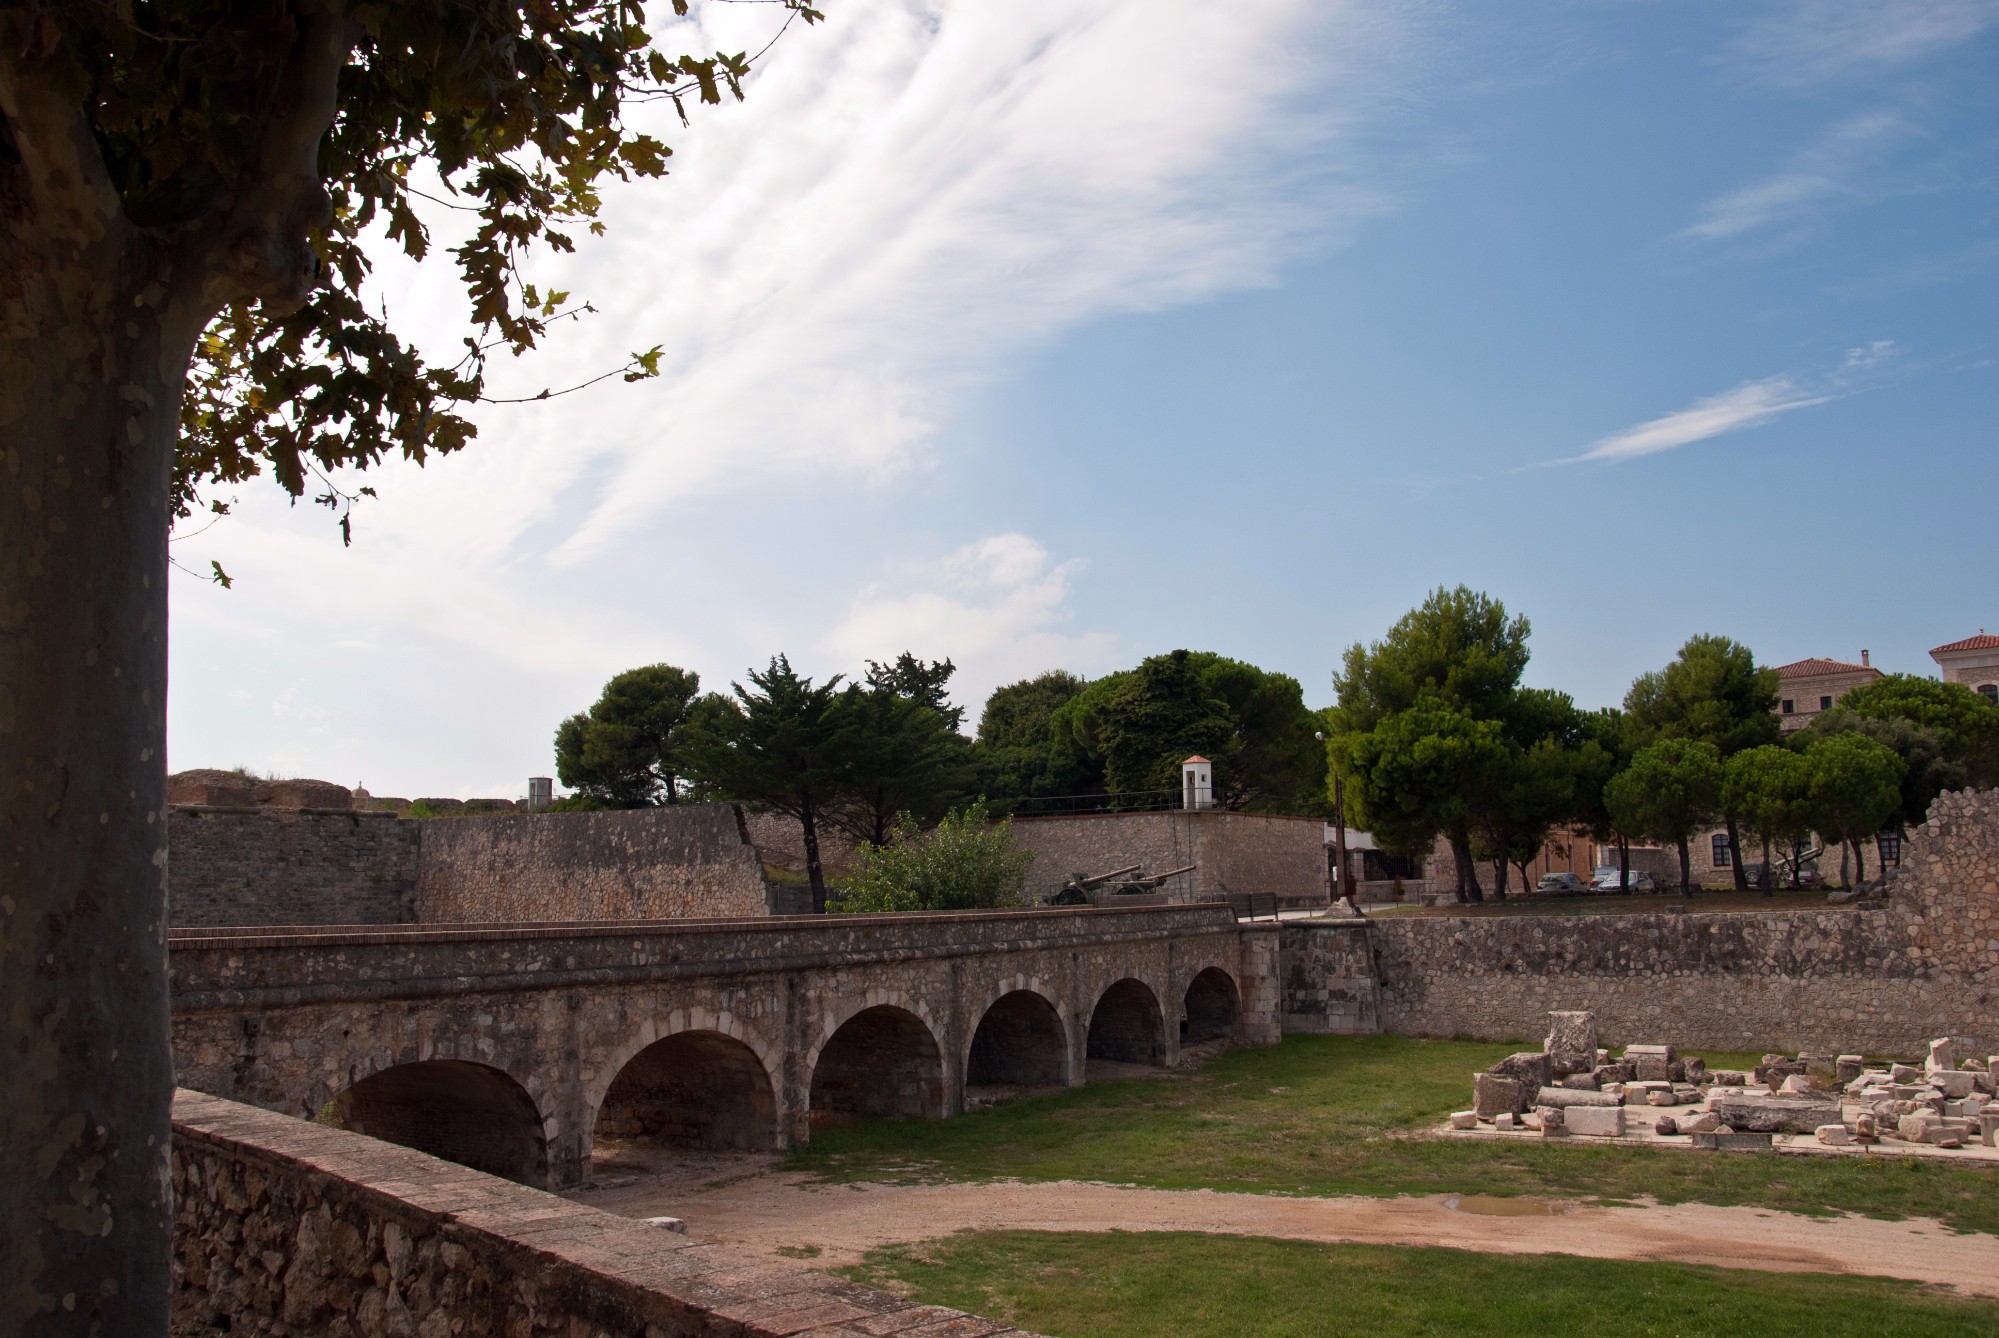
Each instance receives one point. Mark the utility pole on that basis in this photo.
(1342, 888)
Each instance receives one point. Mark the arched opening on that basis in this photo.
(468, 1113)
(882, 1061)
(1127, 1025)
(1018, 1043)
(694, 1089)
(1213, 1007)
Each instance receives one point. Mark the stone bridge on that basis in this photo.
(513, 1048)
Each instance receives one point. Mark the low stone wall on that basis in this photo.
(1883, 981)
(272, 866)
(1326, 978)
(689, 860)
(1231, 852)
(286, 1228)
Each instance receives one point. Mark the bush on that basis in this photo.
(968, 863)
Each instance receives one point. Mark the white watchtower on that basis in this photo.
(1197, 783)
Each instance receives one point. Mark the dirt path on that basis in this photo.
(743, 1203)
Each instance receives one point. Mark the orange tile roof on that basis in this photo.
(1819, 668)
(1983, 641)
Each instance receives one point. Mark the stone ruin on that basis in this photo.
(1572, 1086)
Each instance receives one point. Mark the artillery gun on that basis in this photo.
(1131, 880)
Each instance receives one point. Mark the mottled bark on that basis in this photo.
(98, 319)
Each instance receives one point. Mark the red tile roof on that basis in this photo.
(1983, 641)
(1820, 668)
(1196, 758)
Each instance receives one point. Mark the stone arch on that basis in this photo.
(1127, 1024)
(1211, 1008)
(650, 1029)
(882, 1059)
(473, 1114)
(695, 1088)
(1019, 1039)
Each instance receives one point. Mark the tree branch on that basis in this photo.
(42, 99)
(264, 252)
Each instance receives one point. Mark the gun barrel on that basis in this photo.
(1171, 873)
(1106, 877)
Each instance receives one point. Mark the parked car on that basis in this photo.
(1561, 885)
(1607, 880)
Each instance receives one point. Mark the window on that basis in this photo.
(1790, 707)
(1989, 691)
(1721, 858)
(1825, 703)
(1889, 844)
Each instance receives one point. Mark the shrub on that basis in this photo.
(968, 862)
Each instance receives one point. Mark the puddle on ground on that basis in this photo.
(1492, 1205)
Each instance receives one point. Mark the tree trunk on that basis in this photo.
(1468, 888)
(1765, 881)
(1686, 870)
(1735, 855)
(1499, 879)
(90, 384)
(1859, 861)
(1623, 867)
(1844, 867)
(814, 874)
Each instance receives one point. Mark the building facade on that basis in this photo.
(1973, 662)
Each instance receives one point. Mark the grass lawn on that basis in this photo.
(1083, 1284)
(1637, 904)
(1325, 1115)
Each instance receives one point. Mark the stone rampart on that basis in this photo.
(286, 1228)
(271, 866)
(692, 860)
(1231, 852)
(1882, 981)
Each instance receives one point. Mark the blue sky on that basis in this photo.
(1076, 332)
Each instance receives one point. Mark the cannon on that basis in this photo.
(1076, 892)
(1143, 883)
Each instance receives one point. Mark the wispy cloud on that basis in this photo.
(997, 607)
(1819, 179)
(1751, 404)
(1811, 42)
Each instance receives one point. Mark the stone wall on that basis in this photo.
(1326, 978)
(689, 860)
(285, 1228)
(1882, 981)
(1231, 852)
(270, 866)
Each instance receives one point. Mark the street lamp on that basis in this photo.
(1339, 828)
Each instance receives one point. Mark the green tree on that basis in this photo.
(925, 684)
(1014, 749)
(1666, 792)
(780, 746)
(1856, 788)
(1967, 725)
(624, 752)
(1520, 800)
(1604, 751)
(1131, 730)
(1461, 657)
(1413, 775)
(967, 862)
(1713, 692)
(903, 759)
(187, 187)
(1928, 766)
(1769, 789)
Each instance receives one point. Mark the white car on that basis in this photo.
(1607, 880)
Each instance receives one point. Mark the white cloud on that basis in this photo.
(1819, 179)
(1869, 355)
(997, 608)
(1809, 42)
(1751, 404)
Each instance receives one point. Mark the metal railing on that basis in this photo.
(1128, 801)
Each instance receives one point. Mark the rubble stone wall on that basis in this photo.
(267, 866)
(688, 860)
(1880, 981)
(1326, 978)
(1231, 852)
(284, 1228)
